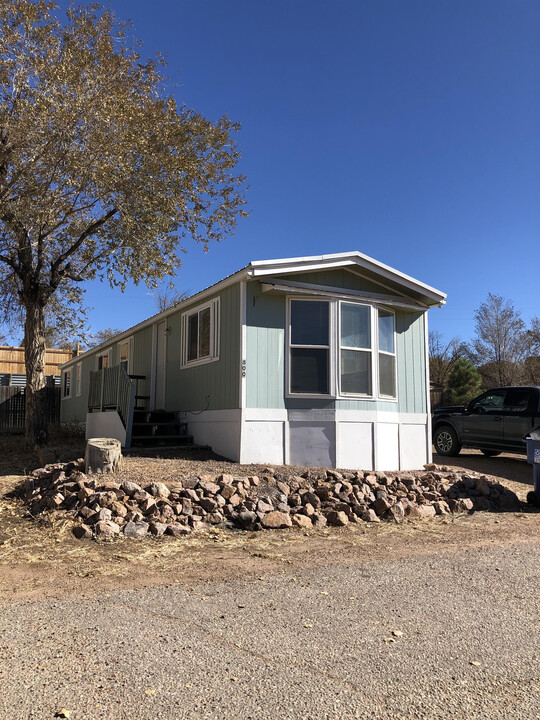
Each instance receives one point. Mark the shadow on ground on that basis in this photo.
(507, 466)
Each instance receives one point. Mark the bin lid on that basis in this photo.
(534, 434)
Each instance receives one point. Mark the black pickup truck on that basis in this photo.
(494, 422)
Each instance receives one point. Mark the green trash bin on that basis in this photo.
(533, 457)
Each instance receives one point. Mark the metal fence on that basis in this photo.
(13, 408)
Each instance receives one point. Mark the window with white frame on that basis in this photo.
(124, 353)
(66, 384)
(200, 334)
(355, 371)
(78, 379)
(310, 347)
(341, 349)
(103, 359)
(387, 353)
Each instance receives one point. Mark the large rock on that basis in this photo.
(136, 529)
(276, 519)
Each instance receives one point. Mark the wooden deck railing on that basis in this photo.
(112, 389)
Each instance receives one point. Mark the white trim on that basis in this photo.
(324, 262)
(265, 414)
(213, 306)
(429, 440)
(78, 379)
(243, 345)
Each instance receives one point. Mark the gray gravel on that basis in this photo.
(310, 645)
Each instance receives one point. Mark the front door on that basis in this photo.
(161, 365)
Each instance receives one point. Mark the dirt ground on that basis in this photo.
(40, 558)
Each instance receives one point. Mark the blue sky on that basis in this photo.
(406, 130)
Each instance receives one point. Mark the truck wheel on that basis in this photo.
(533, 498)
(491, 453)
(446, 441)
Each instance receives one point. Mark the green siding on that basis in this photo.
(265, 348)
(265, 370)
(219, 381)
(186, 389)
(337, 279)
(411, 362)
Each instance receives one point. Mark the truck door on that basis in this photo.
(483, 423)
(518, 416)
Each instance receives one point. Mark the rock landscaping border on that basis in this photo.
(103, 509)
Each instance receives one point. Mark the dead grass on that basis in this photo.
(39, 556)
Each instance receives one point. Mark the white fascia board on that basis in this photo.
(325, 262)
(340, 293)
(158, 317)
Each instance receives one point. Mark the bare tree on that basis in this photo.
(169, 297)
(443, 356)
(501, 343)
(102, 175)
(101, 336)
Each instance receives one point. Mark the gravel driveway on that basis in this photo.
(312, 643)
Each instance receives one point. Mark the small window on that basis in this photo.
(200, 334)
(387, 354)
(103, 359)
(78, 379)
(310, 347)
(124, 354)
(66, 384)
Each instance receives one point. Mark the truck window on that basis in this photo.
(517, 400)
(491, 402)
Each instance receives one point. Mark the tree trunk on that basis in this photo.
(34, 357)
(103, 455)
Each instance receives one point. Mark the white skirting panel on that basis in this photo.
(262, 442)
(355, 441)
(412, 446)
(386, 446)
(220, 429)
(355, 445)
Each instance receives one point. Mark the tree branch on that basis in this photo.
(90, 230)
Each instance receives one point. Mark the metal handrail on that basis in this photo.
(112, 389)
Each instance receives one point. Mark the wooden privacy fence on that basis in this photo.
(13, 408)
(12, 360)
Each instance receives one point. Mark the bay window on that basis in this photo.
(341, 349)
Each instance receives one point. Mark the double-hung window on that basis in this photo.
(200, 334)
(310, 347)
(341, 348)
(387, 353)
(355, 376)
(103, 359)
